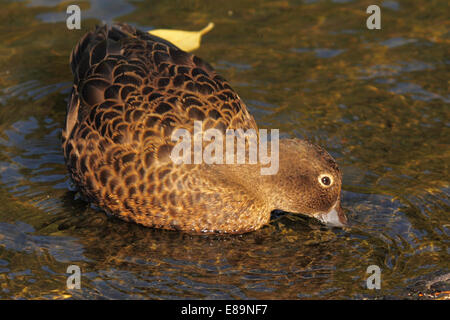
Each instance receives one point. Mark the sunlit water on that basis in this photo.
(377, 100)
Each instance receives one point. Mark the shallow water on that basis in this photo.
(377, 100)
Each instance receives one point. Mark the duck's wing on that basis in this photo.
(134, 89)
(131, 91)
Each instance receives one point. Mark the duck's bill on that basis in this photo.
(335, 217)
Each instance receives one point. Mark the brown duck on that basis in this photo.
(131, 91)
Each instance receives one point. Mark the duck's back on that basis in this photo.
(131, 90)
(124, 74)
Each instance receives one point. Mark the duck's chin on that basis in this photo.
(335, 217)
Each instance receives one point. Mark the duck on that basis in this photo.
(131, 90)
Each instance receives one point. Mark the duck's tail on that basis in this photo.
(103, 41)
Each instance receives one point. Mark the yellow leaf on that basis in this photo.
(185, 40)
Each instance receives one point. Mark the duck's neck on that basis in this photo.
(272, 187)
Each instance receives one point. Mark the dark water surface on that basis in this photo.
(377, 100)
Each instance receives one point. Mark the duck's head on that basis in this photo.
(308, 182)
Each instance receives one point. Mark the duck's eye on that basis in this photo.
(325, 180)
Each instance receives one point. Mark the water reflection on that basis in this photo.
(103, 10)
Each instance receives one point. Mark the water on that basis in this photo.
(377, 100)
